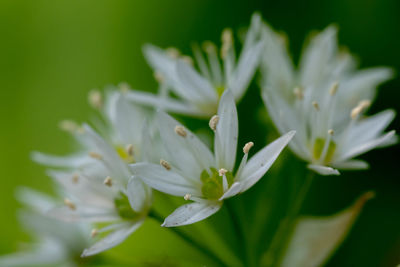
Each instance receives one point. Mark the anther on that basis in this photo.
(69, 204)
(75, 178)
(247, 147)
(362, 105)
(165, 164)
(124, 87)
(158, 76)
(180, 130)
(94, 233)
(331, 132)
(129, 150)
(209, 47)
(95, 155)
(108, 181)
(187, 196)
(315, 105)
(68, 126)
(298, 93)
(95, 99)
(213, 122)
(188, 60)
(222, 172)
(227, 41)
(173, 52)
(333, 89)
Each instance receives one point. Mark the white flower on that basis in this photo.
(97, 181)
(324, 101)
(55, 242)
(193, 172)
(199, 90)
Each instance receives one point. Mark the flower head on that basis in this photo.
(199, 89)
(195, 173)
(97, 181)
(324, 100)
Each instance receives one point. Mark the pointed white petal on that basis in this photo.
(352, 165)
(111, 240)
(167, 104)
(360, 149)
(233, 190)
(188, 154)
(226, 134)
(259, 164)
(73, 161)
(139, 194)
(202, 90)
(36, 200)
(166, 181)
(323, 170)
(191, 213)
(83, 214)
(315, 239)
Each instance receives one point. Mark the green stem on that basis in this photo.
(203, 249)
(274, 253)
(239, 232)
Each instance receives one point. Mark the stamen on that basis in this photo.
(222, 172)
(333, 89)
(298, 93)
(75, 178)
(227, 42)
(331, 132)
(95, 99)
(165, 164)
(362, 105)
(95, 155)
(247, 147)
(129, 150)
(173, 52)
(108, 181)
(180, 130)
(213, 122)
(188, 60)
(158, 76)
(187, 197)
(209, 47)
(68, 126)
(94, 233)
(124, 87)
(69, 204)
(315, 105)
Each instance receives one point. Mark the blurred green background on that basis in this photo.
(53, 52)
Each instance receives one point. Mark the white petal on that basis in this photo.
(259, 164)
(83, 214)
(323, 170)
(200, 87)
(352, 165)
(73, 161)
(35, 199)
(189, 154)
(139, 194)
(245, 69)
(233, 190)
(166, 181)
(167, 104)
(315, 239)
(226, 134)
(360, 149)
(111, 240)
(191, 213)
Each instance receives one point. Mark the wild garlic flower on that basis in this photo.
(324, 101)
(98, 182)
(199, 90)
(55, 243)
(193, 172)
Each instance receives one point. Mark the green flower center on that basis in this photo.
(220, 90)
(124, 208)
(124, 155)
(212, 183)
(318, 150)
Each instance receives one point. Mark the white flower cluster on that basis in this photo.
(131, 150)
